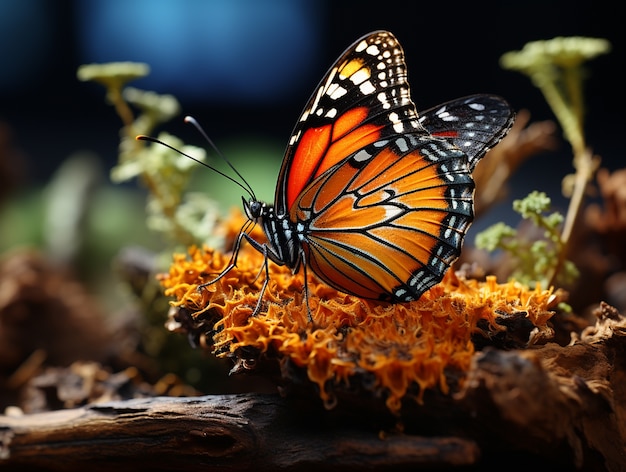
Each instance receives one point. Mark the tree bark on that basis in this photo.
(558, 406)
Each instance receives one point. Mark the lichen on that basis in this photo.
(391, 350)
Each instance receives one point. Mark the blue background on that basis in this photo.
(246, 68)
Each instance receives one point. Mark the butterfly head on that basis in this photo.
(254, 209)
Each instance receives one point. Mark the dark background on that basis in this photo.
(452, 49)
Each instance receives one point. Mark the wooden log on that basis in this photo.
(225, 433)
(559, 406)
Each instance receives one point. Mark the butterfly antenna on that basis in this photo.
(194, 122)
(246, 187)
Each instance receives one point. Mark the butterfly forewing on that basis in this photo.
(363, 97)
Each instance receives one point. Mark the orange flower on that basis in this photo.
(402, 349)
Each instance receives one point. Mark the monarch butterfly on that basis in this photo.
(373, 198)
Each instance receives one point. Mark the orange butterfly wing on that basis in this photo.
(377, 205)
(386, 226)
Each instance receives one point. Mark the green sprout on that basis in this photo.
(556, 67)
(184, 218)
(114, 77)
(181, 216)
(535, 259)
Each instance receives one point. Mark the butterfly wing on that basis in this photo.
(388, 222)
(380, 204)
(475, 123)
(362, 98)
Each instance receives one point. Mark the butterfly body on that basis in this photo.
(373, 198)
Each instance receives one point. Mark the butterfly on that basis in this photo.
(371, 197)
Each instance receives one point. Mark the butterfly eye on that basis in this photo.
(253, 208)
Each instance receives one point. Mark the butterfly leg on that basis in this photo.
(259, 303)
(306, 288)
(268, 255)
(263, 249)
(231, 265)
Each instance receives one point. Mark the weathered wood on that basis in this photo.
(226, 433)
(562, 406)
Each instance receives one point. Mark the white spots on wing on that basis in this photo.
(400, 293)
(331, 113)
(476, 106)
(446, 116)
(382, 98)
(446, 173)
(392, 212)
(295, 137)
(360, 76)
(329, 85)
(362, 156)
(420, 282)
(450, 229)
(361, 46)
(438, 261)
(336, 91)
(434, 151)
(372, 50)
(453, 200)
(381, 143)
(402, 145)
(314, 105)
(396, 122)
(367, 88)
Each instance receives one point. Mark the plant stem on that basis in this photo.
(585, 167)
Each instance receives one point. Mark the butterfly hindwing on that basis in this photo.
(388, 222)
(475, 123)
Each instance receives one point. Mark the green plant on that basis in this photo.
(184, 217)
(556, 67)
(534, 259)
